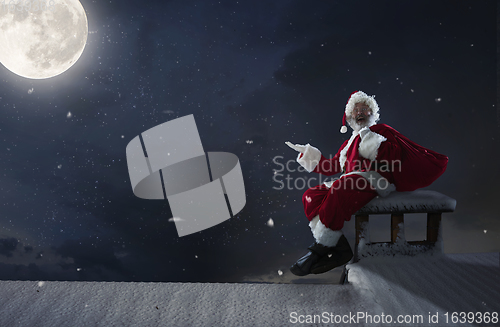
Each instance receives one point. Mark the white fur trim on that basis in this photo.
(313, 223)
(329, 183)
(343, 152)
(362, 97)
(368, 147)
(324, 235)
(310, 159)
(377, 181)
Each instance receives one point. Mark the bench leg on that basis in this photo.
(433, 223)
(360, 220)
(396, 219)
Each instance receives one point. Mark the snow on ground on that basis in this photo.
(403, 287)
(424, 284)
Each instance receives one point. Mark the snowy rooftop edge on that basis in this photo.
(31, 303)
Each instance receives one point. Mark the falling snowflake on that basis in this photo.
(40, 284)
(30, 91)
(437, 100)
(280, 272)
(270, 222)
(78, 269)
(69, 115)
(123, 136)
(485, 231)
(59, 166)
(249, 141)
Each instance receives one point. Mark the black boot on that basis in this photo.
(340, 255)
(303, 266)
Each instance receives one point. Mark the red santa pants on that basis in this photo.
(338, 203)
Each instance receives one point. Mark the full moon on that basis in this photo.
(41, 38)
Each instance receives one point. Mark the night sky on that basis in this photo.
(254, 74)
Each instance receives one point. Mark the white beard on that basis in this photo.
(358, 126)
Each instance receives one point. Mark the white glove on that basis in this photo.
(309, 156)
(363, 132)
(297, 147)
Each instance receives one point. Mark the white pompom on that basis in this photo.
(343, 129)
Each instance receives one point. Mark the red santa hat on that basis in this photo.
(357, 97)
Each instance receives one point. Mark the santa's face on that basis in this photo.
(361, 116)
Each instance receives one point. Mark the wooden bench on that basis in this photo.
(397, 204)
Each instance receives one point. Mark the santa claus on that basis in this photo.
(375, 161)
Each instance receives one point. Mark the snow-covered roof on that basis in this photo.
(407, 286)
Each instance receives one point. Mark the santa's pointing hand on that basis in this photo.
(297, 147)
(308, 156)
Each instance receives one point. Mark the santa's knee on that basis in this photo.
(307, 197)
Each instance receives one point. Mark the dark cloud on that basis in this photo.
(91, 254)
(22, 272)
(8, 246)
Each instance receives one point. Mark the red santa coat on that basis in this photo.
(383, 152)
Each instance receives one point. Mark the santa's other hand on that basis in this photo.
(296, 147)
(363, 132)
